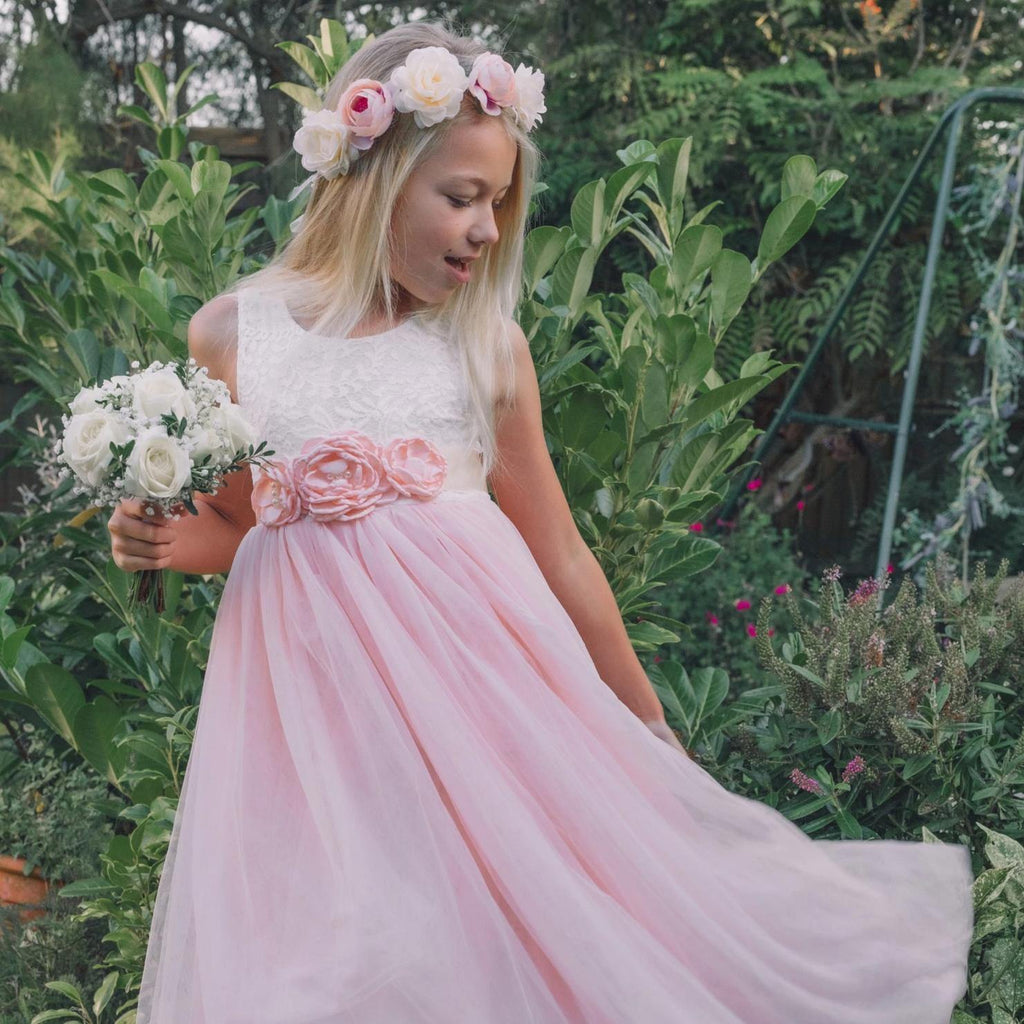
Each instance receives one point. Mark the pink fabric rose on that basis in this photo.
(274, 497)
(493, 82)
(366, 108)
(342, 476)
(415, 468)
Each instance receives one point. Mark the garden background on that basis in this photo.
(713, 175)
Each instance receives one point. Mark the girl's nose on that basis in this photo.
(485, 228)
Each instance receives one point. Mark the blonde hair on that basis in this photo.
(334, 276)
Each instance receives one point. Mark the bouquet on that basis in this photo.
(159, 434)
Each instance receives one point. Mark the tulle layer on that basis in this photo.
(412, 800)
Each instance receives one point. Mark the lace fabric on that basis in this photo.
(292, 384)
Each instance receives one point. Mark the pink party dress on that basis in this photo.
(412, 800)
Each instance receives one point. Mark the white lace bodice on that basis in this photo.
(292, 384)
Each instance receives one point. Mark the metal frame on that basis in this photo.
(952, 119)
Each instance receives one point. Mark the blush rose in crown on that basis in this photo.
(161, 434)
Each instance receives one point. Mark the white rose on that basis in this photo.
(87, 400)
(206, 441)
(430, 84)
(161, 392)
(530, 103)
(86, 444)
(323, 143)
(231, 422)
(158, 466)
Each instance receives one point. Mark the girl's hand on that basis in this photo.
(139, 541)
(661, 729)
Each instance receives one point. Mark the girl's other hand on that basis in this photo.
(139, 541)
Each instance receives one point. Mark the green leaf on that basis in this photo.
(673, 171)
(798, 177)
(587, 213)
(695, 250)
(95, 726)
(57, 696)
(786, 225)
(307, 60)
(307, 98)
(621, 185)
(736, 392)
(730, 285)
(541, 249)
(826, 185)
(829, 725)
(571, 278)
(151, 80)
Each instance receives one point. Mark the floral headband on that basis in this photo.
(430, 85)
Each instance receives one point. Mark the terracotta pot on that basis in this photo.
(17, 888)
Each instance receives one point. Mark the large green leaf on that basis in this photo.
(695, 250)
(587, 213)
(570, 280)
(798, 177)
(730, 285)
(541, 249)
(57, 696)
(786, 225)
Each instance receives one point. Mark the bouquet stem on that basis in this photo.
(148, 589)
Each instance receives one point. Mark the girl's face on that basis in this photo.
(445, 216)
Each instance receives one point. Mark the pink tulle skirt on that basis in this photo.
(412, 800)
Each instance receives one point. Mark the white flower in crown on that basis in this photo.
(530, 102)
(429, 85)
(325, 143)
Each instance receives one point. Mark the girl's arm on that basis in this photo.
(528, 491)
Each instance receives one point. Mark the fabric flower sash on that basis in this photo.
(346, 476)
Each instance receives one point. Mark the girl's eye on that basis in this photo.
(461, 204)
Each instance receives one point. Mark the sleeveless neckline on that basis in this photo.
(406, 324)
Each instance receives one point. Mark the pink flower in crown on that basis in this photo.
(342, 476)
(414, 467)
(366, 108)
(275, 499)
(493, 82)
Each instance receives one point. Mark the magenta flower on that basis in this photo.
(855, 766)
(798, 778)
(712, 618)
(742, 605)
(783, 588)
(696, 527)
(801, 505)
(751, 629)
(755, 484)
(864, 592)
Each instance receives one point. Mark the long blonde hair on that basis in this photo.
(336, 270)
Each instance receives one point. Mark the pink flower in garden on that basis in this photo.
(657, 659)
(696, 527)
(832, 574)
(783, 588)
(864, 592)
(755, 484)
(808, 488)
(729, 524)
(366, 108)
(712, 618)
(751, 629)
(855, 766)
(742, 605)
(798, 778)
(889, 569)
(771, 631)
(801, 505)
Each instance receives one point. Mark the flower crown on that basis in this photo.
(430, 85)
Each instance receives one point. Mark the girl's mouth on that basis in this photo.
(460, 268)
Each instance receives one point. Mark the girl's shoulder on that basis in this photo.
(213, 339)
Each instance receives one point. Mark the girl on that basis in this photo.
(421, 789)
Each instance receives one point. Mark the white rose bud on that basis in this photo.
(86, 444)
(158, 466)
(206, 441)
(161, 392)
